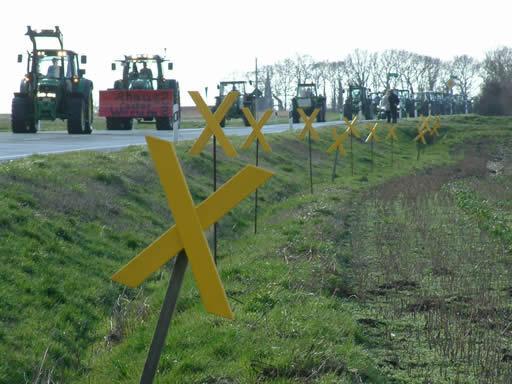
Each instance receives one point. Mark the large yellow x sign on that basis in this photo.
(435, 127)
(191, 221)
(351, 127)
(392, 134)
(308, 124)
(425, 124)
(257, 126)
(213, 123)
(421, 136)
(338, 142)
(372, 136)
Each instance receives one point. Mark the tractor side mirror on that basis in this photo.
(113, 66)
(169, 66)
(20, 58)
(81, 72)
(218, 87)
(250, 82)
(83, 59)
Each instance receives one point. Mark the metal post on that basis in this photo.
(256, 193)
(310, 164)
(351, 155)
(164, 321)
(371, 149)
(335, 162)
(214, 189)
(392, 154)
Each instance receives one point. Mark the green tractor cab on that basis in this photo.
(308, 99)
(143, 92)
(53, 88)
(246, 99)
(358, 102)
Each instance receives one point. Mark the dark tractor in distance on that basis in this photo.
(144, 93)
(308, 99)
(53, 88)
(358, 101)
(246, 99)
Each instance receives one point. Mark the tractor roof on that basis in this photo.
(56, 52)
(144, 58)
(34, 33)
(232, 82)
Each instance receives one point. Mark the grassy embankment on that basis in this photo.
(355, 283)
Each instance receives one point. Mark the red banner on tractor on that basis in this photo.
(136, 103)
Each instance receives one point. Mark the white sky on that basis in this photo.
(209, 40)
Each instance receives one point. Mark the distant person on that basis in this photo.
(54, 69)
(393, 105)
(145, 72)
(384, 103)
(134, 74)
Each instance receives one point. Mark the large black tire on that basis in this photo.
(295, 116)
(79, 116)
(21, 116)
(163, 124)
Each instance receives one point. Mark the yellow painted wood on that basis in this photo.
(308, 124)
(338, 142)
(372, 136)
(352, 127)
(213, 123)
(190, 222)
(392, 133)
(257, 127)
(421, 136)
(209, 211)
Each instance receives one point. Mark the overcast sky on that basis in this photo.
(209, 40)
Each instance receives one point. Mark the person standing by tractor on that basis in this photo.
(393, 105)
(384, 103)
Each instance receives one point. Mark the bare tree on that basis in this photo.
(303, 65)
(319, 75)
(497, 65)
(429, 76)
(465, 70)
(358, 67)
(335, 74)
(409, 70)
(383, 65)
(284, 76)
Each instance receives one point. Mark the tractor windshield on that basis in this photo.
(56, 66)
(225, 88)
(143, 74)
(306, 90)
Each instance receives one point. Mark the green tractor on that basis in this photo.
(54, 87)
(144, 93)
(358, 102)
(308, 99)
(246, 99)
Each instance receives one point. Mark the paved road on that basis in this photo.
(46, 142)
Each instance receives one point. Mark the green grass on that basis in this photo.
(68, 222)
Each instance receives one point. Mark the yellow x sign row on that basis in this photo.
(351, 127)
(373, 134)
(308, 124)
(338, 142)
(425, 124)
(392, 134)
(191, 221)
(257, 126)
(213, 123)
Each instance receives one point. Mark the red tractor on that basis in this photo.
(143, 93)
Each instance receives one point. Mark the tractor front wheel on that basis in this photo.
(80, 116)
(21, 119)
(163, 124)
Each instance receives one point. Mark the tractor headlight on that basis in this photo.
(46, 94)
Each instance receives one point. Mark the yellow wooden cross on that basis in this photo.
(424, 124)
(392, 134)
(436, 126)
(257, 129)
(372, 136)
(213, 123)
(338, 142)
(421, 136)
(351, 127)
(308, 124)
(191, 221)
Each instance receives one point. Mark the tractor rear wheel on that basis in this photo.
(79, 116)
(21, 119)
(163, 124)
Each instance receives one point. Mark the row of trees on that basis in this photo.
(371, 70)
